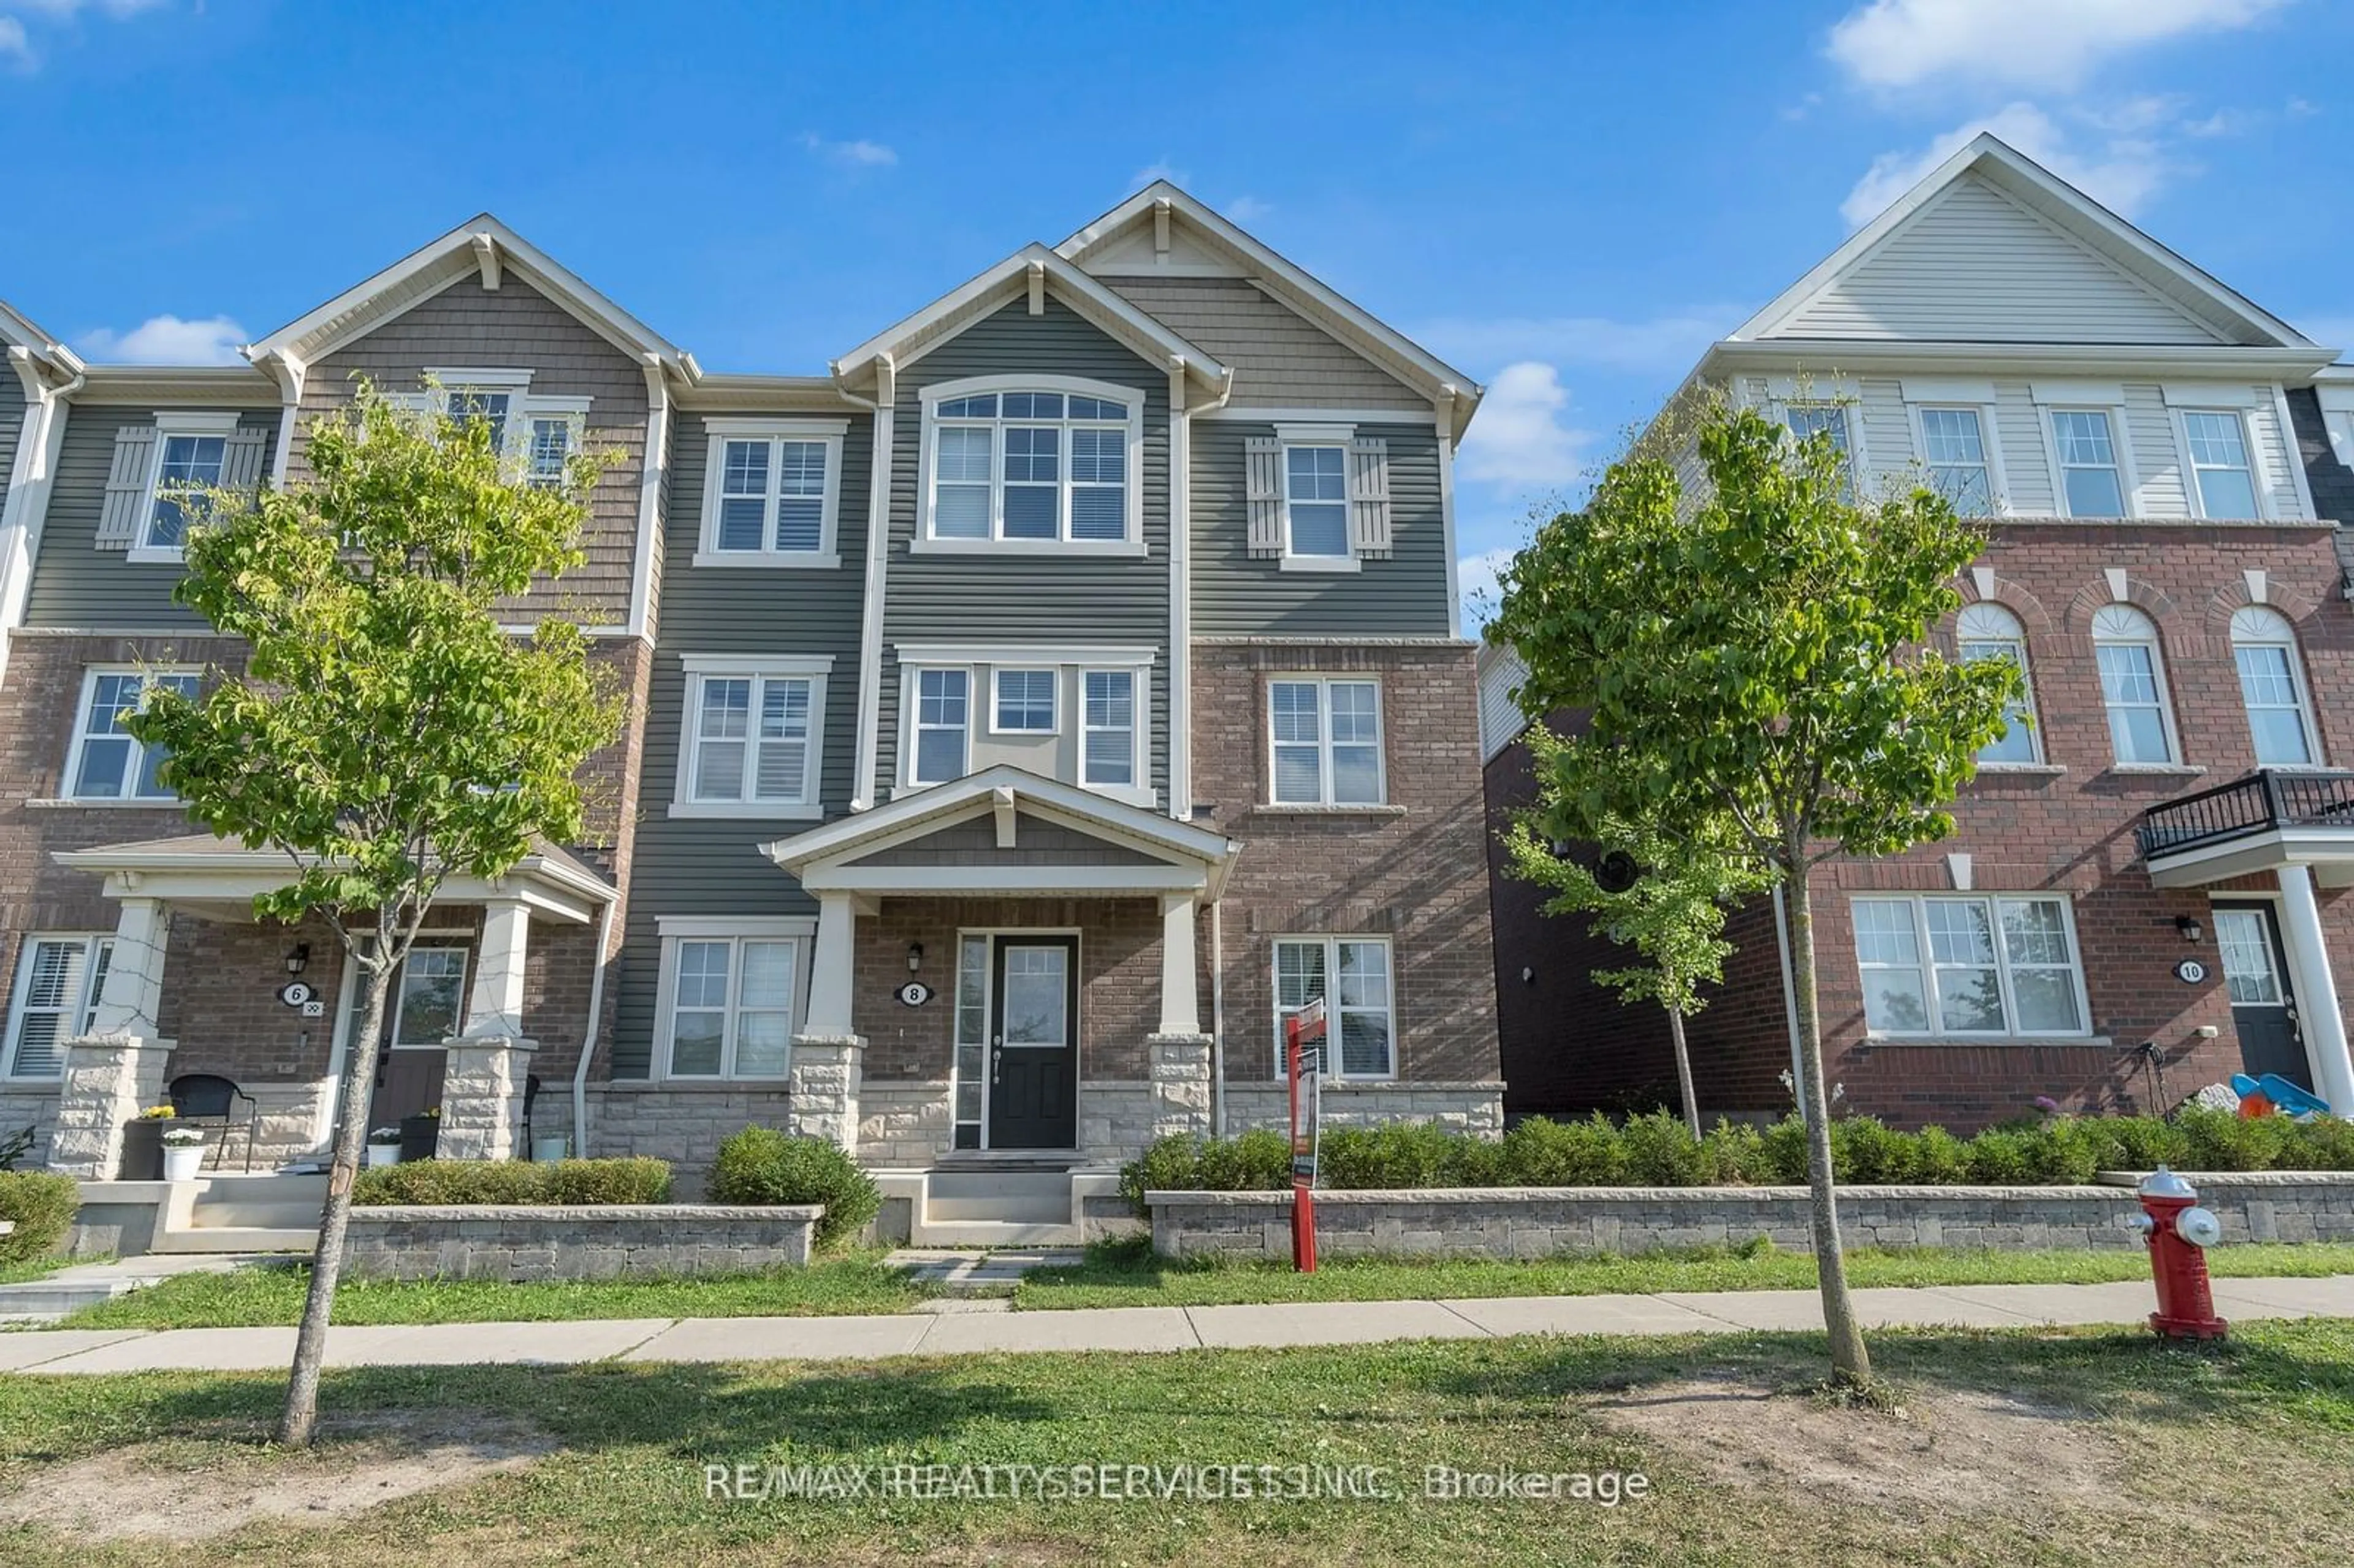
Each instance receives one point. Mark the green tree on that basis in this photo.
(1671, 913)
(384, 732)
(1753, 662)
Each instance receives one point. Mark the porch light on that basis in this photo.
(298, 957)
(2191, 929)
(915, 957)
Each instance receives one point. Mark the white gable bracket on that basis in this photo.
(486, 258)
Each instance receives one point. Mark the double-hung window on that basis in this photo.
(1989, 631)
(731, 992)
(1353, 976)
(1953, 442)
(1045, 460)
(106, 762)
(2133, 687)
(2223, 483)
(1326, 741)
(1108, 728)
(755, 732)
(59, 982)
(1984, 965)
(771, 493)
(2272, 688)
(943, 725)
(535, 435)
(1806, 420)
(185, 463)
(2091, 482)
(1316, 502)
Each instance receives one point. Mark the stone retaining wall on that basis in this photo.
(1544, 1221)
(520, 1242)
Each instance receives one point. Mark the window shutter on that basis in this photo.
(126, 488)
(241, 460)
(1369, 497)
(1265, 459)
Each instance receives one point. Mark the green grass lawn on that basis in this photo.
(1125, 1274)
(2226, 1455)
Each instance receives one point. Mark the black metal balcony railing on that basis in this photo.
(2260, 802)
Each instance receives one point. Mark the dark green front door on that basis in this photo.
(1033, 1044)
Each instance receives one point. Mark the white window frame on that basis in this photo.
(137, 764)
(1993, 900)
(1998, 483)
(1324, 682)
(2192, 494)
(1130, 543)
(2107, 400)
(1332, 1008)
(1136, 785)
(2286, 640)
(2011, 634)
(218, 426)
(1054, 678)
(84, 1014)
(911, 678)
(1342, 437)
(828, 433)
(2174, 760)
(736, 931)
(524, 407)
(812, 668)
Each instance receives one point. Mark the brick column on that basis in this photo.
(825, 1072)
(482, 1098)
(116, 1070)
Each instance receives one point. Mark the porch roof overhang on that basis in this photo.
(1164, 856)
(2272, 818)
(2329, 852)
(218, 878)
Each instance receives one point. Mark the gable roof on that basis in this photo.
(907, 339)
(481, 245)
(2207, 309)
(19, 331)
(1214, 239)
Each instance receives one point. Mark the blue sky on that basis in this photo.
(1568, 202)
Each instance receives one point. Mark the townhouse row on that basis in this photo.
(1025, 716)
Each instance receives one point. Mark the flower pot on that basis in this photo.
(419, 1135)
(552, 1147)
(142, 1150)
(384, 1154)
(183, 1161)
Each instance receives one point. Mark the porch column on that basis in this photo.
(481, 1087)
(116, 1070)
(2323, 1021)
(1179, 1051)
(823, 1085)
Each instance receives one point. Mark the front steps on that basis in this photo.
(271, 1212)
(990, 1203)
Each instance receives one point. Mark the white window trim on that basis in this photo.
(2192, 496)
(19, 998)
(522, 406)
(1332, 1004)
(2036, 761)
(1053, 726)
(168, 425)
(1989, 441)
(1140, 793)
(81, 737)
(1131, 544)
(2293, 649)
(1070, 662)
(1990, 898)
(1326, 680)
(810, 667)
(2089, 400)
(830, 433)
(910, 722)
(734, 929)
(1849, 403)
(2175, 762)
(1339, 435)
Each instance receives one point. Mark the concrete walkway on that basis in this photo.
(713, 1340)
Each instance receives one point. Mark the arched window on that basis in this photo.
(2272, 688)
(1991, 632)
(2133, 687)
(1035, 462)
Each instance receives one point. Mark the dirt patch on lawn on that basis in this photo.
(212, 1487)
(1969, 1452)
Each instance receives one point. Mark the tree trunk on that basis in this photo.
(1684, 1072)
(1850, 1364)
(301, 1412)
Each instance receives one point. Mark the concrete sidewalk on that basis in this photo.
(712, 1339)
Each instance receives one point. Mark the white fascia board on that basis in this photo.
(1013, 881)
(1731, 356)
(757, 664)
(1096, 653)
(734, 925)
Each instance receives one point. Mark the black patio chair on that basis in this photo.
(209, 1098)
(530, 1097)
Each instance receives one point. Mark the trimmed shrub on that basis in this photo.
(2001, 1159)
(1167, 1165)
(424, 1183)
(2326, 1143)
(762, 1165)
(42, 1205)
(1867, 1152)
(1661, 1151)
(1540, 1153)
(633, 1181)
(1736, 1155)
(2221, 1140)
(1939, 1158)
(1258, 1161)
(1785, 1153)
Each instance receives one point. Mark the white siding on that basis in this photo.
(2157, 465)
(2027, 470)
(2274, 456)
(1887, 438)
(1500, 717)
(1974, 265)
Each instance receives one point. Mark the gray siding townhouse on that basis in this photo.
(1028, 715)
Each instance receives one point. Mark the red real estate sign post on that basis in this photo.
(1303, 1034)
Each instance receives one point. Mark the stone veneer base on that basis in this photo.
(518, 1242)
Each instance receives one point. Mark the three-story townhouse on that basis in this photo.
(2143, 894)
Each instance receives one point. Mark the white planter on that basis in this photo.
(384, 1154)
(182, 1162)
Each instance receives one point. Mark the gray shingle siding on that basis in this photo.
(1028, 598)
(1238, 594)
(77, 584)
(1281, 359)
(700, 865)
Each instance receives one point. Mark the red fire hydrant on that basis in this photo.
(2179, 1232)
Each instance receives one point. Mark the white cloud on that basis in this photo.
(2017, 43)
(1247, 209)
(1664, 345)
(2122, 172)
(12, 45)
(851, 154)
(1519, 438)
(1475, 584)
(167, 340)
(16, 51)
